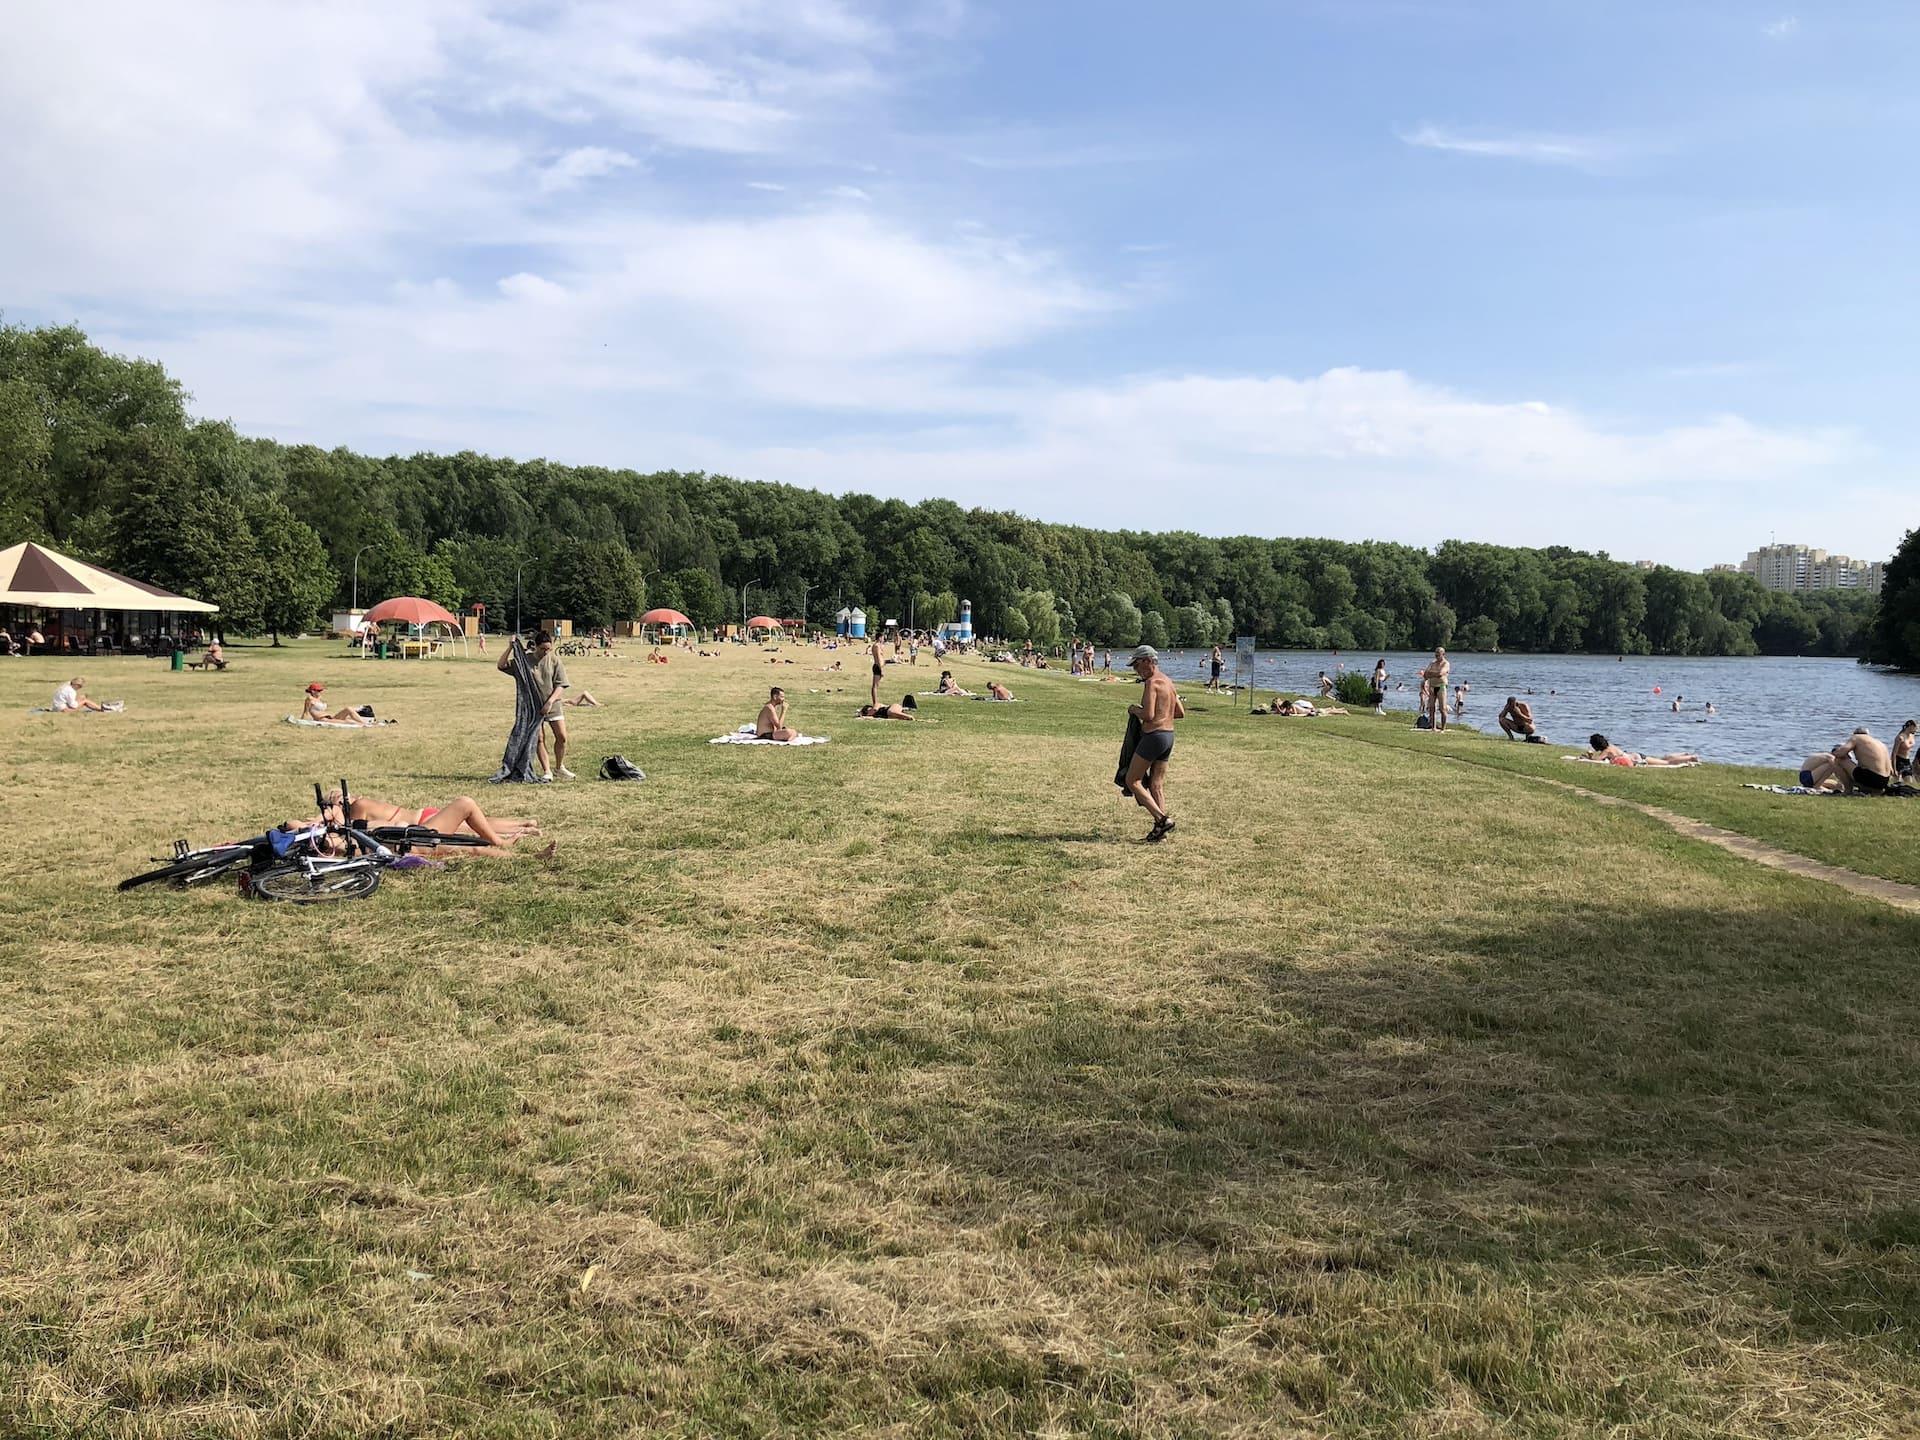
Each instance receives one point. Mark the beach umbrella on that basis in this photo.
(664, 617)
(410, 610)
(763, 622)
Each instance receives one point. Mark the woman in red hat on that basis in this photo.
(316, 710)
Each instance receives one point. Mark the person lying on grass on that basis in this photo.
(315, 709)
(772, 723)
(1603, 749)
(885, 712)
(460, 814)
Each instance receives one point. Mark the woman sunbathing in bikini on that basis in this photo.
(315, 709)
(1614, 755)
(458, 815)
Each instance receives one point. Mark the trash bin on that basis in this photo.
(179, 660)
(382, 652)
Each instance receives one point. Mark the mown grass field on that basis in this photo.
(891, 1087)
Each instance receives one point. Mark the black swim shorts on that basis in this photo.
(1871, 781)
(1154, 746)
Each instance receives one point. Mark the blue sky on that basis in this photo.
(1626, 276)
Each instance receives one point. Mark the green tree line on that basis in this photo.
(100, 457)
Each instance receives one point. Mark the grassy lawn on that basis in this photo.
(1872, 836)
(891, 1086)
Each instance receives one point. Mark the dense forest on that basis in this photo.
(100, 458)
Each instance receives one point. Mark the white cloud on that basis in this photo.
(1353, 453)
(848, 192)
(767, 185)
(1580, 152)
(1782, 28)
(586, 162)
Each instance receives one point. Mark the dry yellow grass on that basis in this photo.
(891, 1087)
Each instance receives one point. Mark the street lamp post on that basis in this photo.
(805, 590)
(743, 599)
(356, 573)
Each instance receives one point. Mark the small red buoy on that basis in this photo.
(1656, 689)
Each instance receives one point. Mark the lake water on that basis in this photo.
(1772, 710)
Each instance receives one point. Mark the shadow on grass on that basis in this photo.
(1702, 1117)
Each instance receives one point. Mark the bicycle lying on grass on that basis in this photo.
(333, 859)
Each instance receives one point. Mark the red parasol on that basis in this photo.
(664, 617)
(410, 610)
(763, 622)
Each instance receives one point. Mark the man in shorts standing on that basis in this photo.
(1159, 707)
(1214, 661)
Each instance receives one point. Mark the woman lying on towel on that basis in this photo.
(1613, 755)
(885, 712)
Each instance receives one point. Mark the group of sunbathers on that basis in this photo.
(1861, 765)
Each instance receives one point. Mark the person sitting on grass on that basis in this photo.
(585, 697)
(885, 712)
(1603, 749)
(1903, 748)
(1822, 772)
(947, 686)
(997, 691)
(315, 709)
(772, 724)
(69, 698)
(1864, 763)
(1516, 719)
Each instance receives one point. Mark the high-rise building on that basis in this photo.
(1801, 567)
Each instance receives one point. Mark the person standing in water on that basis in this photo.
(1159, 707)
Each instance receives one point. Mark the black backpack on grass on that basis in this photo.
(618, 767)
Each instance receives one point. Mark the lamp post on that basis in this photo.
(805, 590)
(356, 573)
(743, 599)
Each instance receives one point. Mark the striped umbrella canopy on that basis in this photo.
(34, 575)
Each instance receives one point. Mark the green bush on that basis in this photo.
(1350, 687)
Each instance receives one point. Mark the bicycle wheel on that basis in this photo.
(290, 882)
(195, 869)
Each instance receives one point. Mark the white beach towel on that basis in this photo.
(745, 736)
(302, 720)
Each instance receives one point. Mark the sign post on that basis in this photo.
(1243, 668)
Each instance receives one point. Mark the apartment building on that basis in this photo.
(1801, 567)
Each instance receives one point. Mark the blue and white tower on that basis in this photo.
(857, 623)
(842, 621)
(963, 632)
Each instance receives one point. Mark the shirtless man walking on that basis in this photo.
(1159, 707)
